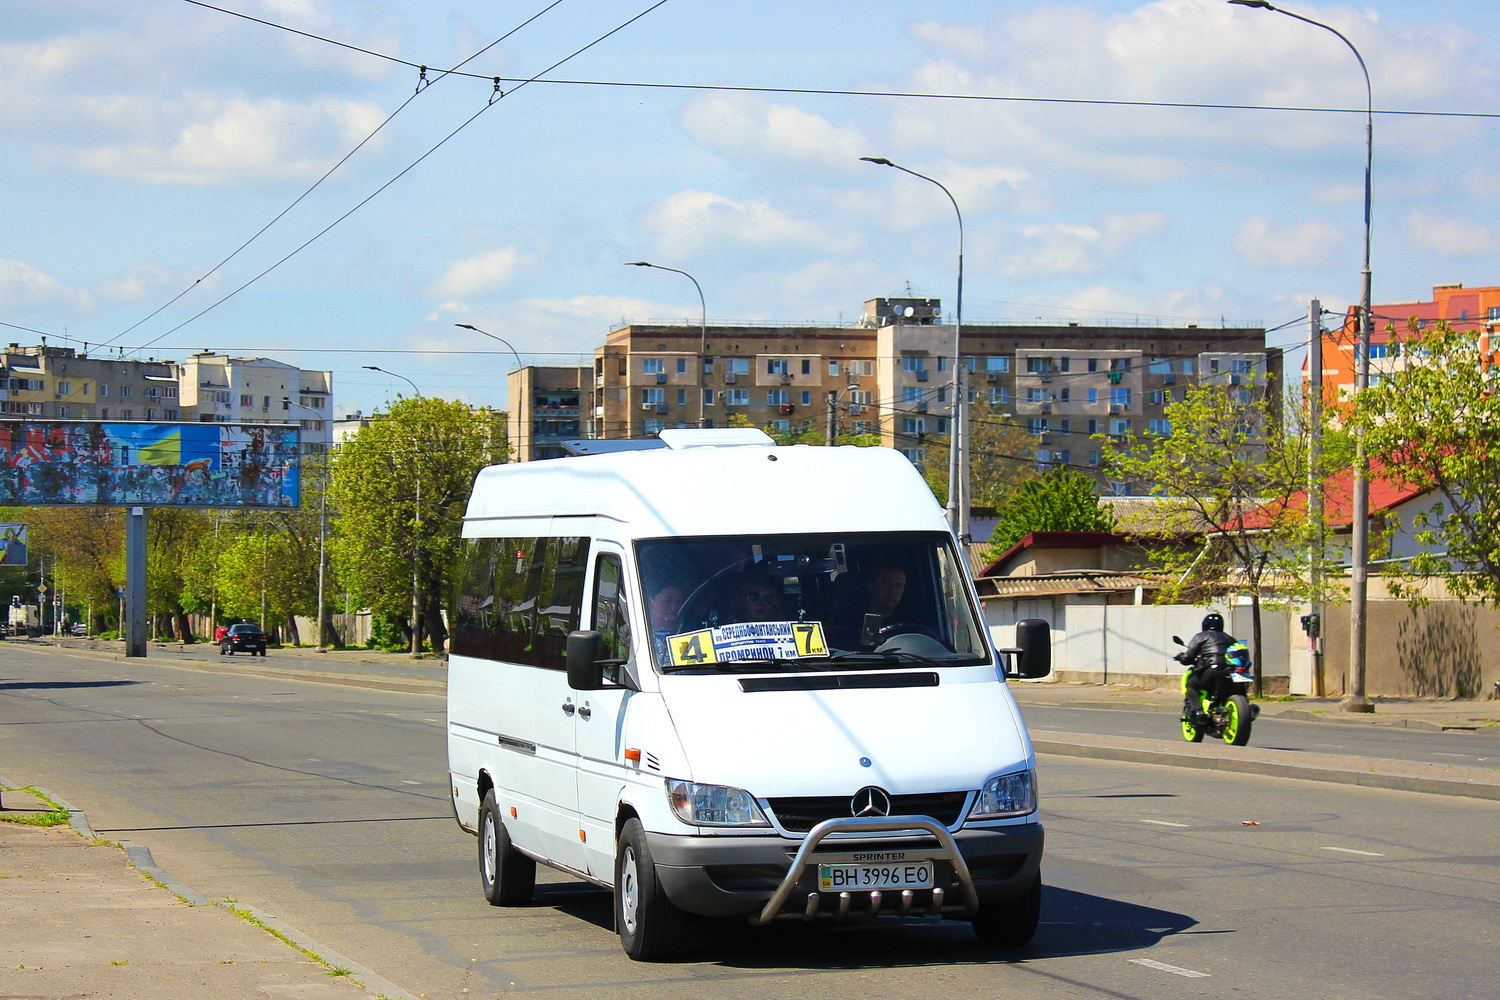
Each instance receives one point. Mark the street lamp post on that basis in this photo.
(958, 466)
(833, 402)
(1355, 700)
(486, 333)
(702, 324)
(416, 540)
(322, 538)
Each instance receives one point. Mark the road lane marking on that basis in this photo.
(1162, 822)
(1350, 850)
(1174, 970)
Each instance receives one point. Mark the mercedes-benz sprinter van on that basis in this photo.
(727, 678)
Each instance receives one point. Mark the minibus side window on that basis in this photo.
(611, 620)
(519, 598)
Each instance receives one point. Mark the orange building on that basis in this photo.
(1463, 308)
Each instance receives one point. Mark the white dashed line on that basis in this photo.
(1350, 850)
(1174, 970)
(1162, 822)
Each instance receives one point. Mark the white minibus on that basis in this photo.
(721, 677)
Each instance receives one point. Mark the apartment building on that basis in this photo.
(551, 400)
(890, 374)
(216, 388)
(63, 383)
(1463, 308)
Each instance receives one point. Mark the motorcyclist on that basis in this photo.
(1205, 659)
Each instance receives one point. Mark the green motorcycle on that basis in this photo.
(1225, 702)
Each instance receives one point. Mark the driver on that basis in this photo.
(1204, 657)
(883, 594)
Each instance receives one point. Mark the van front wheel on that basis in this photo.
(507, 876)
(650, 925)
(1010, 925)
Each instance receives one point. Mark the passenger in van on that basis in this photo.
(663, 611)
(756, 598)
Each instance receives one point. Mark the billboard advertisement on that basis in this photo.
(12, 544)
(65, 462)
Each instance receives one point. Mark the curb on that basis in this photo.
(140, 858)
(1377, 773)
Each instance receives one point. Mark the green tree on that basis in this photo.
(400, 486)
(1061, 500)
(1233, 474)
(1435, 422)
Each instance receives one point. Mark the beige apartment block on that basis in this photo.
(64, 383)
(217, 388)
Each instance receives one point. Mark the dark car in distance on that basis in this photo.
(243, 639)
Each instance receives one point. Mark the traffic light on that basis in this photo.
(1312, 625)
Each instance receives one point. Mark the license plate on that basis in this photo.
(1240, 678)
(915, 875)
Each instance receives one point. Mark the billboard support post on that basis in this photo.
(135, 582)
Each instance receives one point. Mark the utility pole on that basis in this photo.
(1315, 488)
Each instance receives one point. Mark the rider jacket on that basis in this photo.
(1206, 649)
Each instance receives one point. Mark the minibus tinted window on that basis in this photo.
(518, 598)
(789, 600)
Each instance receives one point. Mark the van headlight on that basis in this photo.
(714, 805)
(1006, 795)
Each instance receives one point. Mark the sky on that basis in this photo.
(155, 153)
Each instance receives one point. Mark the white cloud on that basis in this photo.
(1300, 245)
(691, 222)
(136, 283)
(223, 141)
(1061, 248)
(479, 275)
(742, 127)
(23, 286)
(1451, 238)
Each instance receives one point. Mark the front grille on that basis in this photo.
(799, 815)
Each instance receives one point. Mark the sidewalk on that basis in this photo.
(1410, 713)
(80, 918)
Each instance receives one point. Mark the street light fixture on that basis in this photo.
(958, 467)
(702, 324)
(486, 333)
(416, 544)
(833, 402)
(1355, 700)
(322, 536)
(377, 368)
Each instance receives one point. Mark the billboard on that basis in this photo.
(12, 544)
(64, 462)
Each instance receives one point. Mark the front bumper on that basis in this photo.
(745, 875)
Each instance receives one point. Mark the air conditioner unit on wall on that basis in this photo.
(729, 378)
(786, 380)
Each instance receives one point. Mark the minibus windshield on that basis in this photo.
(808, 602)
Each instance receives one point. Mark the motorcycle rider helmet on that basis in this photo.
(1213, 622)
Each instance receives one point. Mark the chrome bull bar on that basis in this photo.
(947, 850)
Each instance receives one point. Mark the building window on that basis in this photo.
(103, 390)
(104, 413)
(172, 415)
(1119, 425)
(652, 397)
(861, 427)
(681, 397)
(737, 397)
(913, 425)
(1093, 395)
(1161, 428)
(653, 366)
(833, 369)
(1036, 395)
(913, 363)
(777, 397)
(776, 366)
(65, 389)
(1036, 425)
(942, 425)
(806, 367)
(806, 397)
(708, 397)
(861, 368)
(1158, 397)
(126, 391)
(682, 366)
(1159, 366)
(737, 366)
(127, 414)
(779, 426)
(1119, 397)
(912, 394)
(1093, 458)
(915, 455)
(653, 427)
(997, 364)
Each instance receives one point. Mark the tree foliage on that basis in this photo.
(1232, 474)
(1435, 422)
(1061, 500)
(400, 486)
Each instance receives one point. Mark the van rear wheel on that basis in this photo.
(507, 876)
(650, 925)
(1013, 924)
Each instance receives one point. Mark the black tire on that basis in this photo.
(222, 650)
(1239, 716)
(228, 649)
(650, 925)
(507, 877)
(1013, 924)
(1190, 732)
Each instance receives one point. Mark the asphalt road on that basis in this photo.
(325, 806)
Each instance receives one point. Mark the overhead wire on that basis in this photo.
(495, 99)
(421, 88)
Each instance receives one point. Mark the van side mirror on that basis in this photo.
(1032, 654)
(585, 671)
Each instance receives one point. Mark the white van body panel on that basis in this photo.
(567, 766)
(916, 739)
